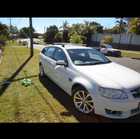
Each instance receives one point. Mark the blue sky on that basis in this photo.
(40, 23)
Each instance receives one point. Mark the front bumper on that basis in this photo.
(117, 109)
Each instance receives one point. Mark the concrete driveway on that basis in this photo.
(128, 62)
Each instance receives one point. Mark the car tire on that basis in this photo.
(41, 71)
(82, 100)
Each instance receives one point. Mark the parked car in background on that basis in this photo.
(107, 49)
(95, 83)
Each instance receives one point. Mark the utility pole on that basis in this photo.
(31, 37)
(10, 28)
(10, 25)
(44, 29)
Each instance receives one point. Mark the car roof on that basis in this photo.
(70, 46)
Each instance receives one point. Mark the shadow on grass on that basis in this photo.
(6, 83)
(31, 76)
(66, 101)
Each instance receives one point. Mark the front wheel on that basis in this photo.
(83, 101)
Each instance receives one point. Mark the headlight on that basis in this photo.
(113, 93)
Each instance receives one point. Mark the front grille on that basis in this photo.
(115, 113)
(136, 93)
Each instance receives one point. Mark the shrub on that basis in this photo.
(107, 39)
(75, 38)
(59, 37)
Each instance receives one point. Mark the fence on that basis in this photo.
(129, 39)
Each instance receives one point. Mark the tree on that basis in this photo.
(59, 37)
(65, 31)
(75, 38)
(99, 28)
(134, 25)
(4, 34)
(25, 32)
(13, 29)
(88, 30)
(49, 36)
(121, 25)
(114, 30)
(4, 30)
(85, 30)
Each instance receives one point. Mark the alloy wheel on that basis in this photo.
(83, 101)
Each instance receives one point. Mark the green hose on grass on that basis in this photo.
(26, 82)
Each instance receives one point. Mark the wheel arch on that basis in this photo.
(82, 83)
(76, 85)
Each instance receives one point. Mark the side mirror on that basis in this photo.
(61, 63)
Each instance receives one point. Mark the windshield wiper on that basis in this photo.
(95, 63)
(102, 62)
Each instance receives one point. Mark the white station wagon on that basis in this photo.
(95, 83)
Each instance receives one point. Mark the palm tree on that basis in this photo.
(122, 26)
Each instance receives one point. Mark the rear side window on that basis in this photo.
(44, 51)
(50, 52)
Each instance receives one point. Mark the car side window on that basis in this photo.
(59, 55)
(44, 50)
(50, 52)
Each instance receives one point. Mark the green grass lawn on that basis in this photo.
(131, 54)
(27, 104)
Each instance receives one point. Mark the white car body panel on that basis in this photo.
(110, 75)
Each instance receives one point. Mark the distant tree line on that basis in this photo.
(82, 32)
(75, 33)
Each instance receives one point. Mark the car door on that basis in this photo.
(62, 73)
(43, 59)
(50, 62)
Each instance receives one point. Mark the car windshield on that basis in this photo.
(87, 57)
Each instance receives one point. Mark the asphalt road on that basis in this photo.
(128, 62)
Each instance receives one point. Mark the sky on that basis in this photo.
(40, 24)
